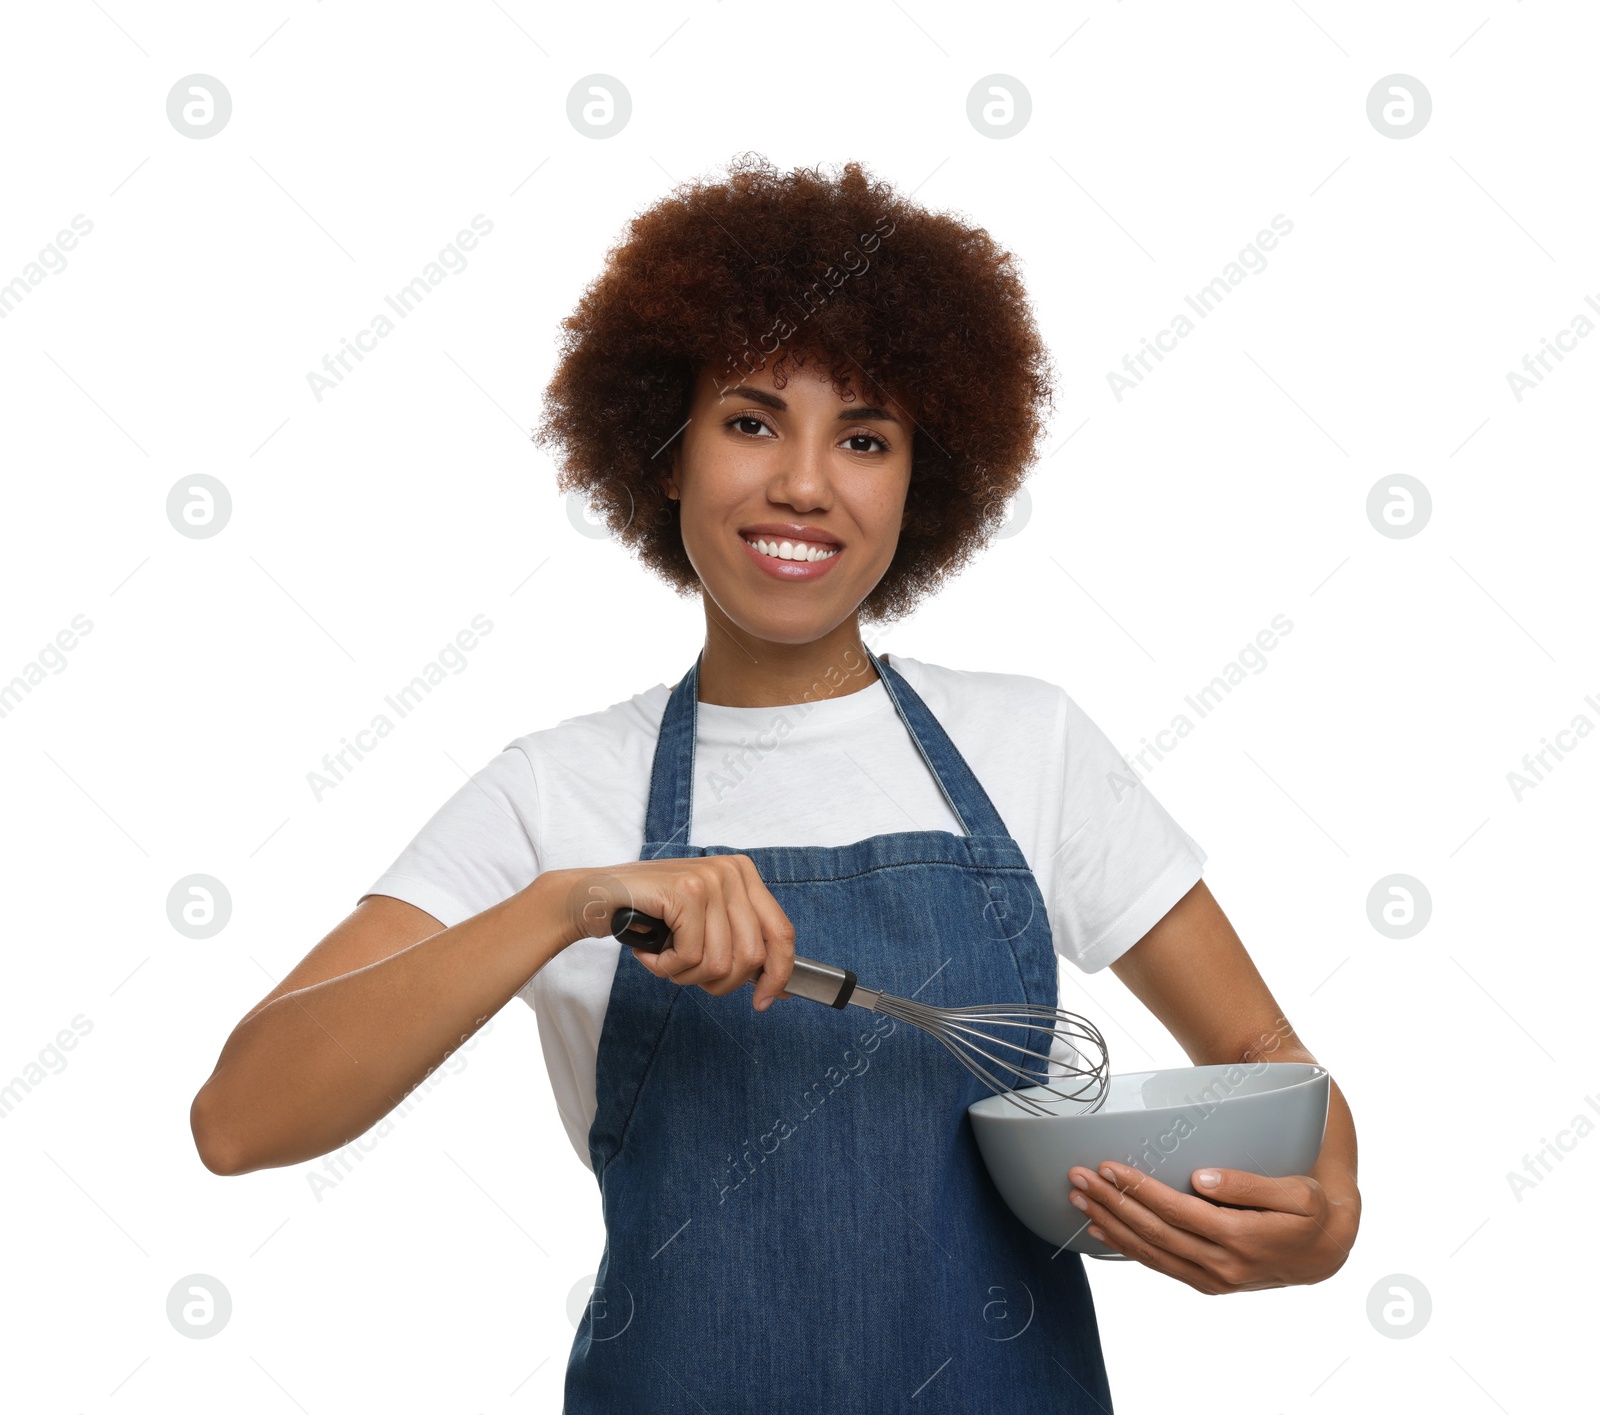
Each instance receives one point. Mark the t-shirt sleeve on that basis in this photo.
(479, 847)
(1122, 861)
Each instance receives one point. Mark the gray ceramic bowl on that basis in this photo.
(1265, 1117)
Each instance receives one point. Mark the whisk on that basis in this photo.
(968, 1032)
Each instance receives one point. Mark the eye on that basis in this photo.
(867, 437)
(747, 418)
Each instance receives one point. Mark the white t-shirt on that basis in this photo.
(1109, 859)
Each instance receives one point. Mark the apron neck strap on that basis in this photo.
(671, 806)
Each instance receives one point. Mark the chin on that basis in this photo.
(775, 625)
(786, 630)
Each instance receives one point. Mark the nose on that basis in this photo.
(803, 477)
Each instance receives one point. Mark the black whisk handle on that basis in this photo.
(819, 982)
(656, 935)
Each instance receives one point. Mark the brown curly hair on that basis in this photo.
(890, 297)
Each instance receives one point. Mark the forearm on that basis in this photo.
(1193, 973)
(1335, 1166)
(317, 1067)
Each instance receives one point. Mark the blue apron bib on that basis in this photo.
(797, 1216)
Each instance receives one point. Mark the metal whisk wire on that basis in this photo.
(965, 1031)
(968, 1033)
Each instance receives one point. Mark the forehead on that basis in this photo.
(810, 380)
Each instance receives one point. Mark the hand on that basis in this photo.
(727, 929)
(1289, 1231)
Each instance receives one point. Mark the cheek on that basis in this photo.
(699, 519)
(881, 517)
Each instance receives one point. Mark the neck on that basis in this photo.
(738, 669)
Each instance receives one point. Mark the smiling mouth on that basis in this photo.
(801, 550)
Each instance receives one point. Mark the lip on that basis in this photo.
(790, 530)
(791, 569)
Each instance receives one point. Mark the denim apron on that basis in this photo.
(797, 1215)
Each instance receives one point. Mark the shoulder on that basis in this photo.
(1010, 718)
(981, 696)
(607, 735)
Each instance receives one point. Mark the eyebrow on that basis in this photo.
(771, 400)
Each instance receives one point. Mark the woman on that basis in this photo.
(803, 401)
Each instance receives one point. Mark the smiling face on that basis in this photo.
(791, 499)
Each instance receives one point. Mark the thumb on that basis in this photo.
(1239, 1186)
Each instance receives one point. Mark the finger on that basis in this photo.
(1292, 1194)
(1197, 1215)
(749, 951)
(1294, 1203)
(716, 953)
(1102, 1201)
(777, 932)
(1114, 1233)
(683, 909)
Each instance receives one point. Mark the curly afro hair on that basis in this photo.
(889, 297)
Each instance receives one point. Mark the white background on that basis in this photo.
(1165, 531)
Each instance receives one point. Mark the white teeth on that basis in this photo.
(794, 549)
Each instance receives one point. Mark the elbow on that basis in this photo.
(218, 1150)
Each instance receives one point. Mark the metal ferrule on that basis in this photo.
(833, 987)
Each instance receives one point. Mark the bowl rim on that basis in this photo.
(1002, 1111)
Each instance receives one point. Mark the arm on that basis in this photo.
(389, 994)
(1193, 973)
(363, 1019)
